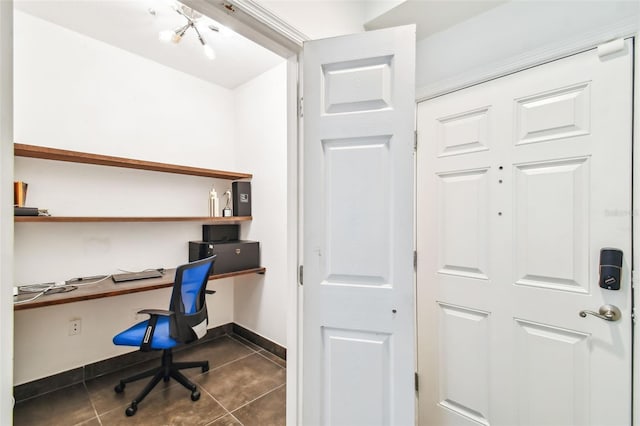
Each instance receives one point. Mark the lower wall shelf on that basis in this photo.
(108, 288)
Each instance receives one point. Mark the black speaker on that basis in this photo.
(241, 194)
(220, 233)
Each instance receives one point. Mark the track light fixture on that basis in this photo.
(192, 17)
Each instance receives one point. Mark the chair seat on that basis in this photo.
(133, 335)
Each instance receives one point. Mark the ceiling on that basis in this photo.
(431, 16)
(128, 24)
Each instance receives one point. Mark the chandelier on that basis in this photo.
(192, 18)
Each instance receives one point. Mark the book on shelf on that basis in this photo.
(19, 193)
(30, 211)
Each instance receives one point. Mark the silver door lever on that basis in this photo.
(607, 313)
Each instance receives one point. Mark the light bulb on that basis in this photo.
(166, 35)
(208, 51)
(176, 38)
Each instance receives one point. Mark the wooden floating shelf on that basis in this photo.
(32, 151)
(72, 219)
(107, 288)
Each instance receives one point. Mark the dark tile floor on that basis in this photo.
(245, 385)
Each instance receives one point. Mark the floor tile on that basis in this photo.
(172, 406)
(242, 381)
(93, 422)
(227, 420)
(275, 358)
(247, 343)
(268, 410)
(103, 396)
(218, 352)
(67, 406)
(239, 378)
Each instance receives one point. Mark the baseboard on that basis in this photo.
(100, 368)
(263, 342)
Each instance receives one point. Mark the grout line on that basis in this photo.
(240, 339)
(236, 419)
(86, 389)
(269, 359)
(257, 398)
(229, 362)
(226, 412)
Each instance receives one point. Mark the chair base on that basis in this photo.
(167, 370)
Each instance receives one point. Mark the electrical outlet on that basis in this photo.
(75, 326)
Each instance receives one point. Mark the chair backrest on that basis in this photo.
(188, 300)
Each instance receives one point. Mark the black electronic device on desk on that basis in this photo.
(220, 233)
(232, 255)
(132, 276)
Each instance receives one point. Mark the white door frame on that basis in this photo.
(6, 216)
(251, 20)
(635, 243)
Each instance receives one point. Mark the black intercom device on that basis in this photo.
(610, 268)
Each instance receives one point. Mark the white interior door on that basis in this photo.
(358, 340)
(521, 181)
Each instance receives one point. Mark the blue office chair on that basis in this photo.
(184, 322)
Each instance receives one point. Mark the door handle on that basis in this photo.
(606, 312)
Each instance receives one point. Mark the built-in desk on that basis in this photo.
(108, 288)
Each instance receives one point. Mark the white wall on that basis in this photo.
(375, 8)
(261, 134)
(73, 92)
(320, 18)
(513, 32)
(6, 219)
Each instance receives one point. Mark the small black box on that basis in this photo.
(220, 233)
(232, 256)
(241, 193)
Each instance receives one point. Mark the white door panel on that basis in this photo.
(521, 181)
(358, 341)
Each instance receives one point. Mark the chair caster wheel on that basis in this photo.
(131, 410)
(119, 388)
(205, 369)
(195, 395)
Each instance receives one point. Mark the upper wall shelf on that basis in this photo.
(205, 219)
(33, 151)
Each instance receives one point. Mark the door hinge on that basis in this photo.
(415, 141)
(634, 277)
(416, 381)
(300, 274)
(229, 7)
(415, 260)
(300, 109)
(610, 47)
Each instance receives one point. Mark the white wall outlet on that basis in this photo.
(75, 326)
